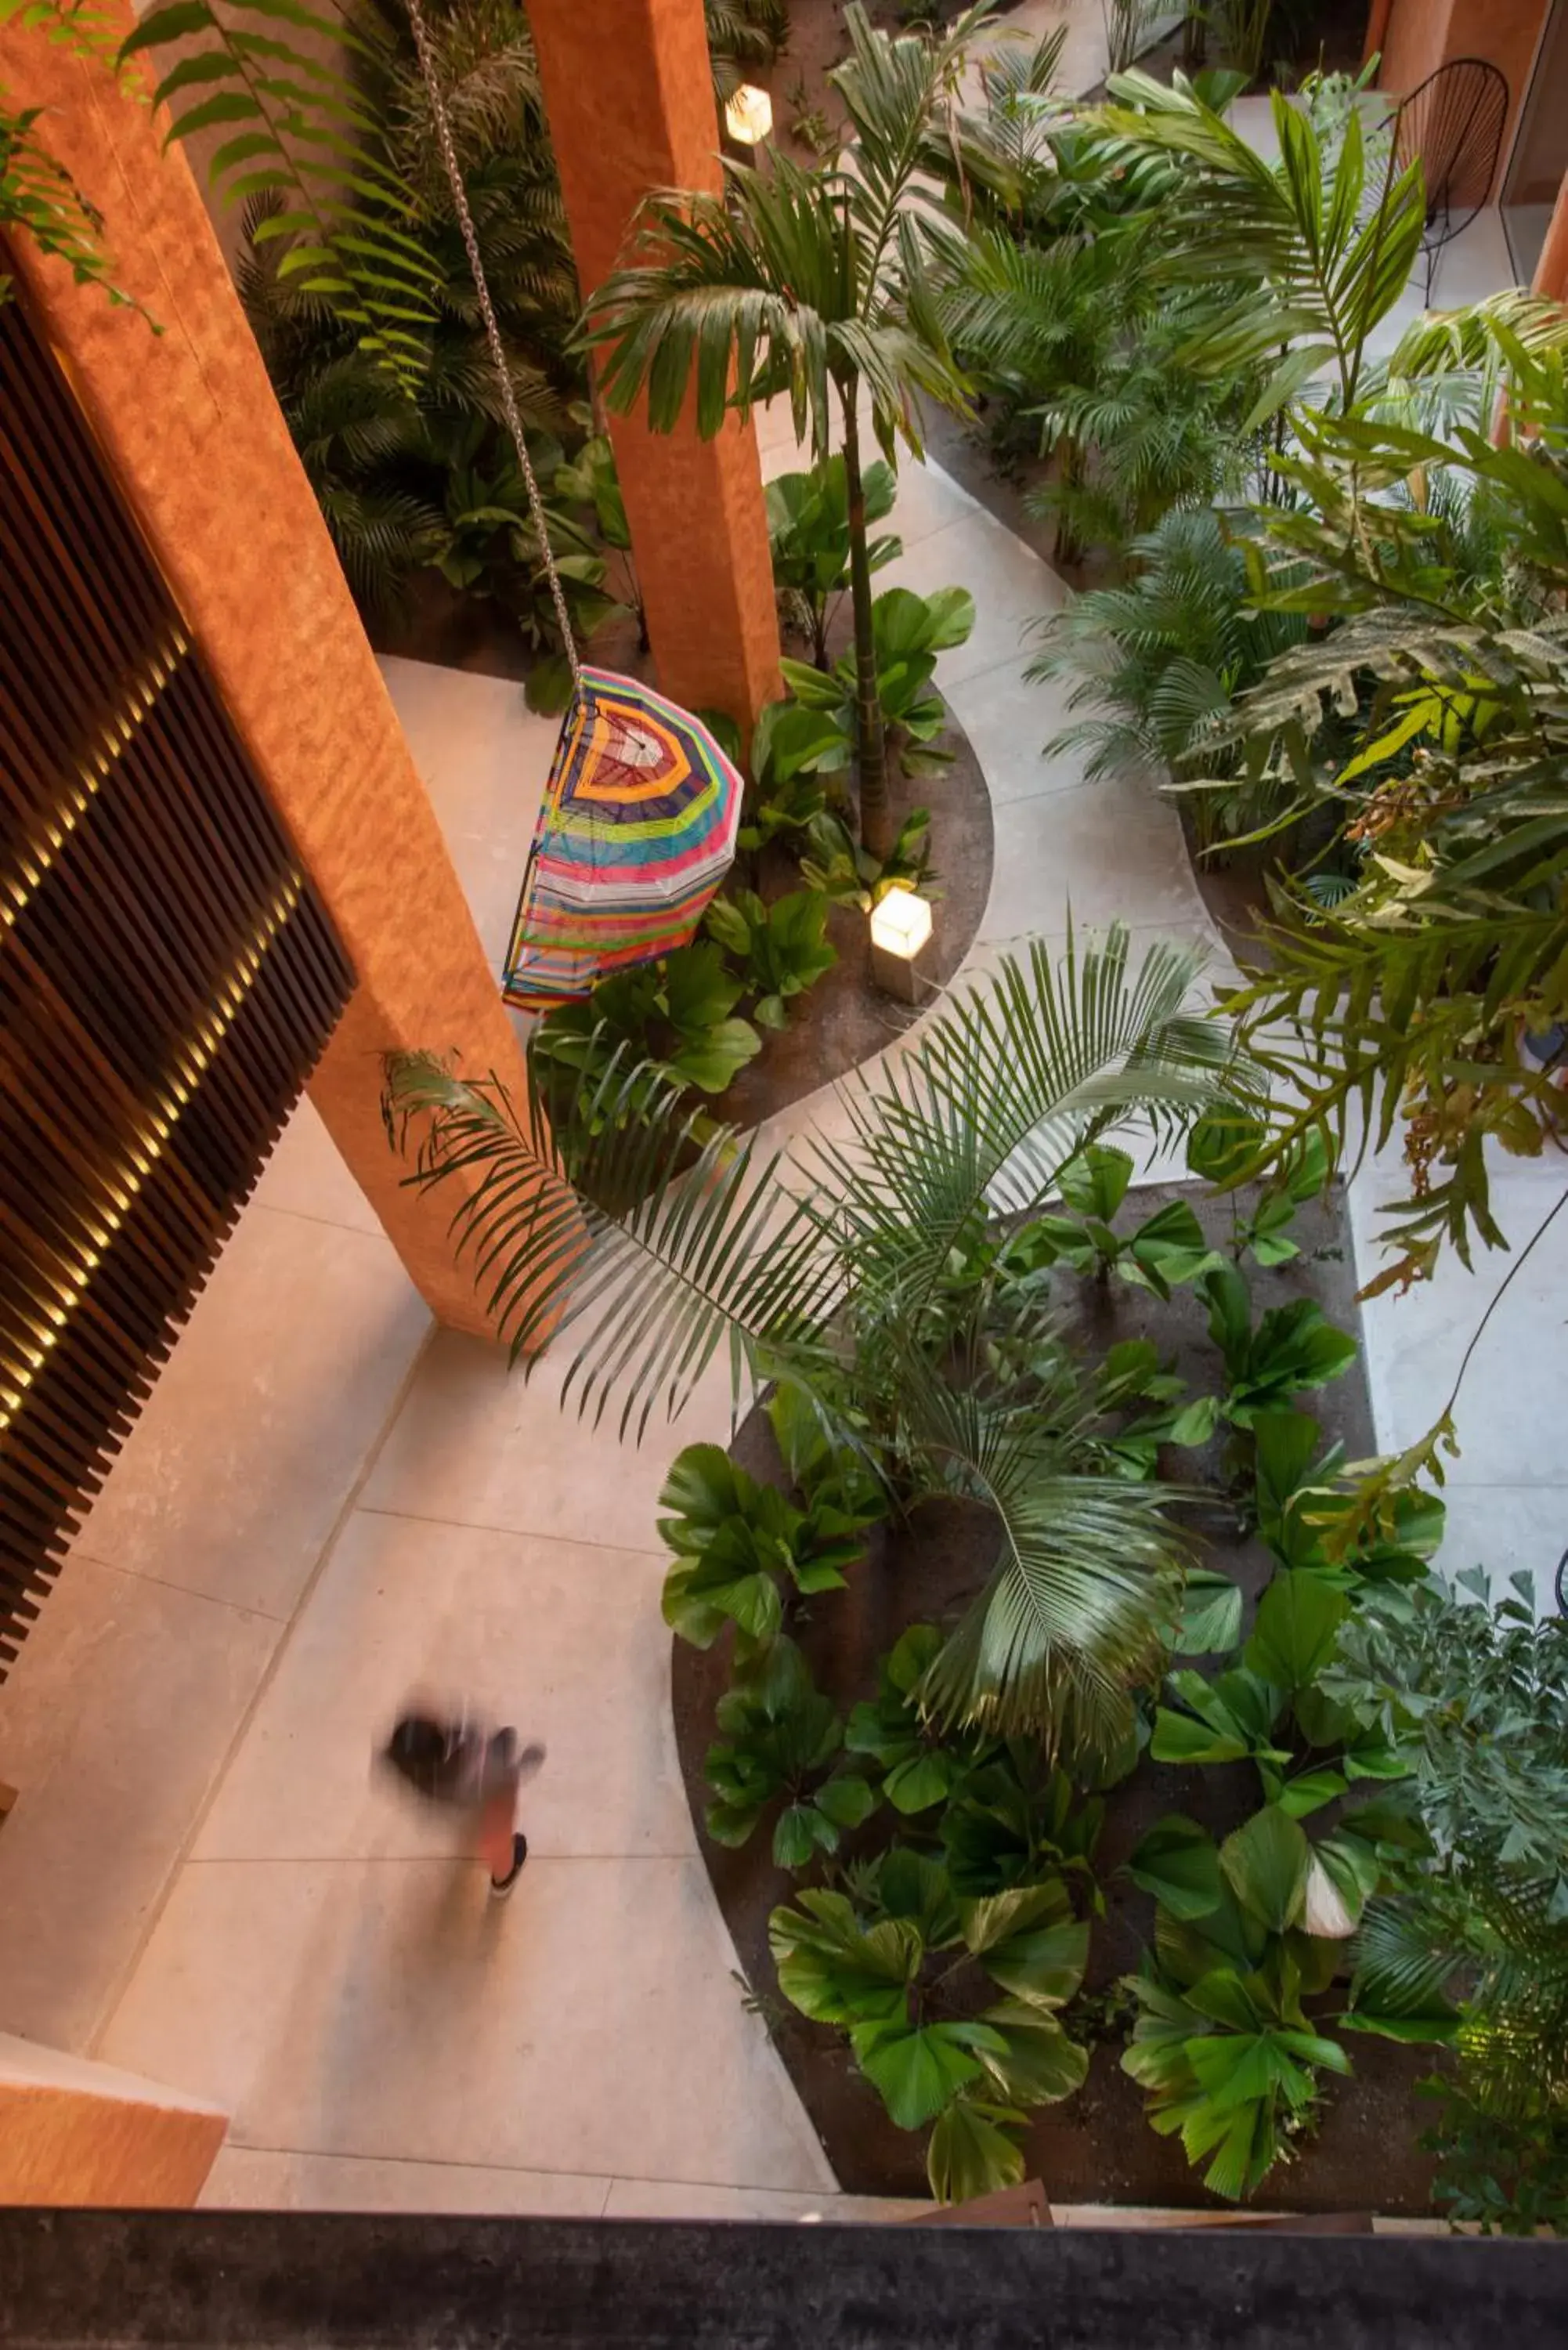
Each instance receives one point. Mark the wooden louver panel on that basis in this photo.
(168, 976)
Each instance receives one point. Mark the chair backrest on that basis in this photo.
(1454, 122)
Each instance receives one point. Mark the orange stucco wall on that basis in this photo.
(629, 98)
(1418, 36)
(202, 452)
(74, 2132)
(1551, 269)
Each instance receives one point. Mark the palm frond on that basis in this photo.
(1001, 1090)
(646, 1249)
(300, 128)
(1079, 1607)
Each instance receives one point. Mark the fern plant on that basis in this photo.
(1160, 659)
(301, 130)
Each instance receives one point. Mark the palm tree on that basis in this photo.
(843, 1282)
(1332, 248)
(819, 284)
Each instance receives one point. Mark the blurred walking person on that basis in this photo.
(462, 1765)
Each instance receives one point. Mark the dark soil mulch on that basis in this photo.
(846, 1018)
(1098, 2146)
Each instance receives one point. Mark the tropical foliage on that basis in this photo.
(889, 1962)
(844, 1278)
(37, 193)
(816, 285)
(1470, 1949)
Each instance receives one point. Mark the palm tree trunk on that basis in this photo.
(875, 807)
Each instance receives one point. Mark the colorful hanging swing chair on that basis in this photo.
(636, 832)
(641, 813)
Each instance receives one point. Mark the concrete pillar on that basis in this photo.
(629, 98)
(187, 419)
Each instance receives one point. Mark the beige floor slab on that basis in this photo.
(476, 1444)
(246, 2178)
(1506, 1530)
(589, 2023)
(114, 1723)
(1104, 851)
(563, 1639)
(485, 756)
(662, 2199)
(1011, 586)
(308, 1175)
(1509, 1413)
(260, 1425)
(1009, 721)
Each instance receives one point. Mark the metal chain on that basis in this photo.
(492, 332)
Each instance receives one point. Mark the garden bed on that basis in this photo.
(1096, 2145)
(845, 1019)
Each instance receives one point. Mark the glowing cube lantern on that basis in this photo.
(900, 933)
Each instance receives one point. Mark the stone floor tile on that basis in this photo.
(115, 1723)
(1509, 1414)
(564, 1640)
(262, 1421)
(247, 2178)
(1506, 1530)
(663, 2199)
(477, 1444)
(1011, 586)
(392, 2009)
(306, 1175)
(485, 758)
(1106, 851)
(1008, 722)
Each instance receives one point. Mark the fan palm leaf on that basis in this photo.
(1080, 1604)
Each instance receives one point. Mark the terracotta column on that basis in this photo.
(75, 2132)
(629, 96)
(189, 421)
(1376, 29)
(1551, 269)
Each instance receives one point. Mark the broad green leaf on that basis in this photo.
(711, 1061)
(916, 2071)
(847, 1800)
(1179, 1863)
(917, 1784)
(1265, 1861)
(1295, 1629)
(1095, 1182)
(1309, 1791)
(970, 2153)
(1211, 1613)
(1042, 2064)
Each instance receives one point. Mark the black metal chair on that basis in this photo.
(1454, 122)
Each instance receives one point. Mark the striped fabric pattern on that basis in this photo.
(636, 832)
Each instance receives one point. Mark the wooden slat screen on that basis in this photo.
(168, 976)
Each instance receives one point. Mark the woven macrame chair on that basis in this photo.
(1453, 122)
